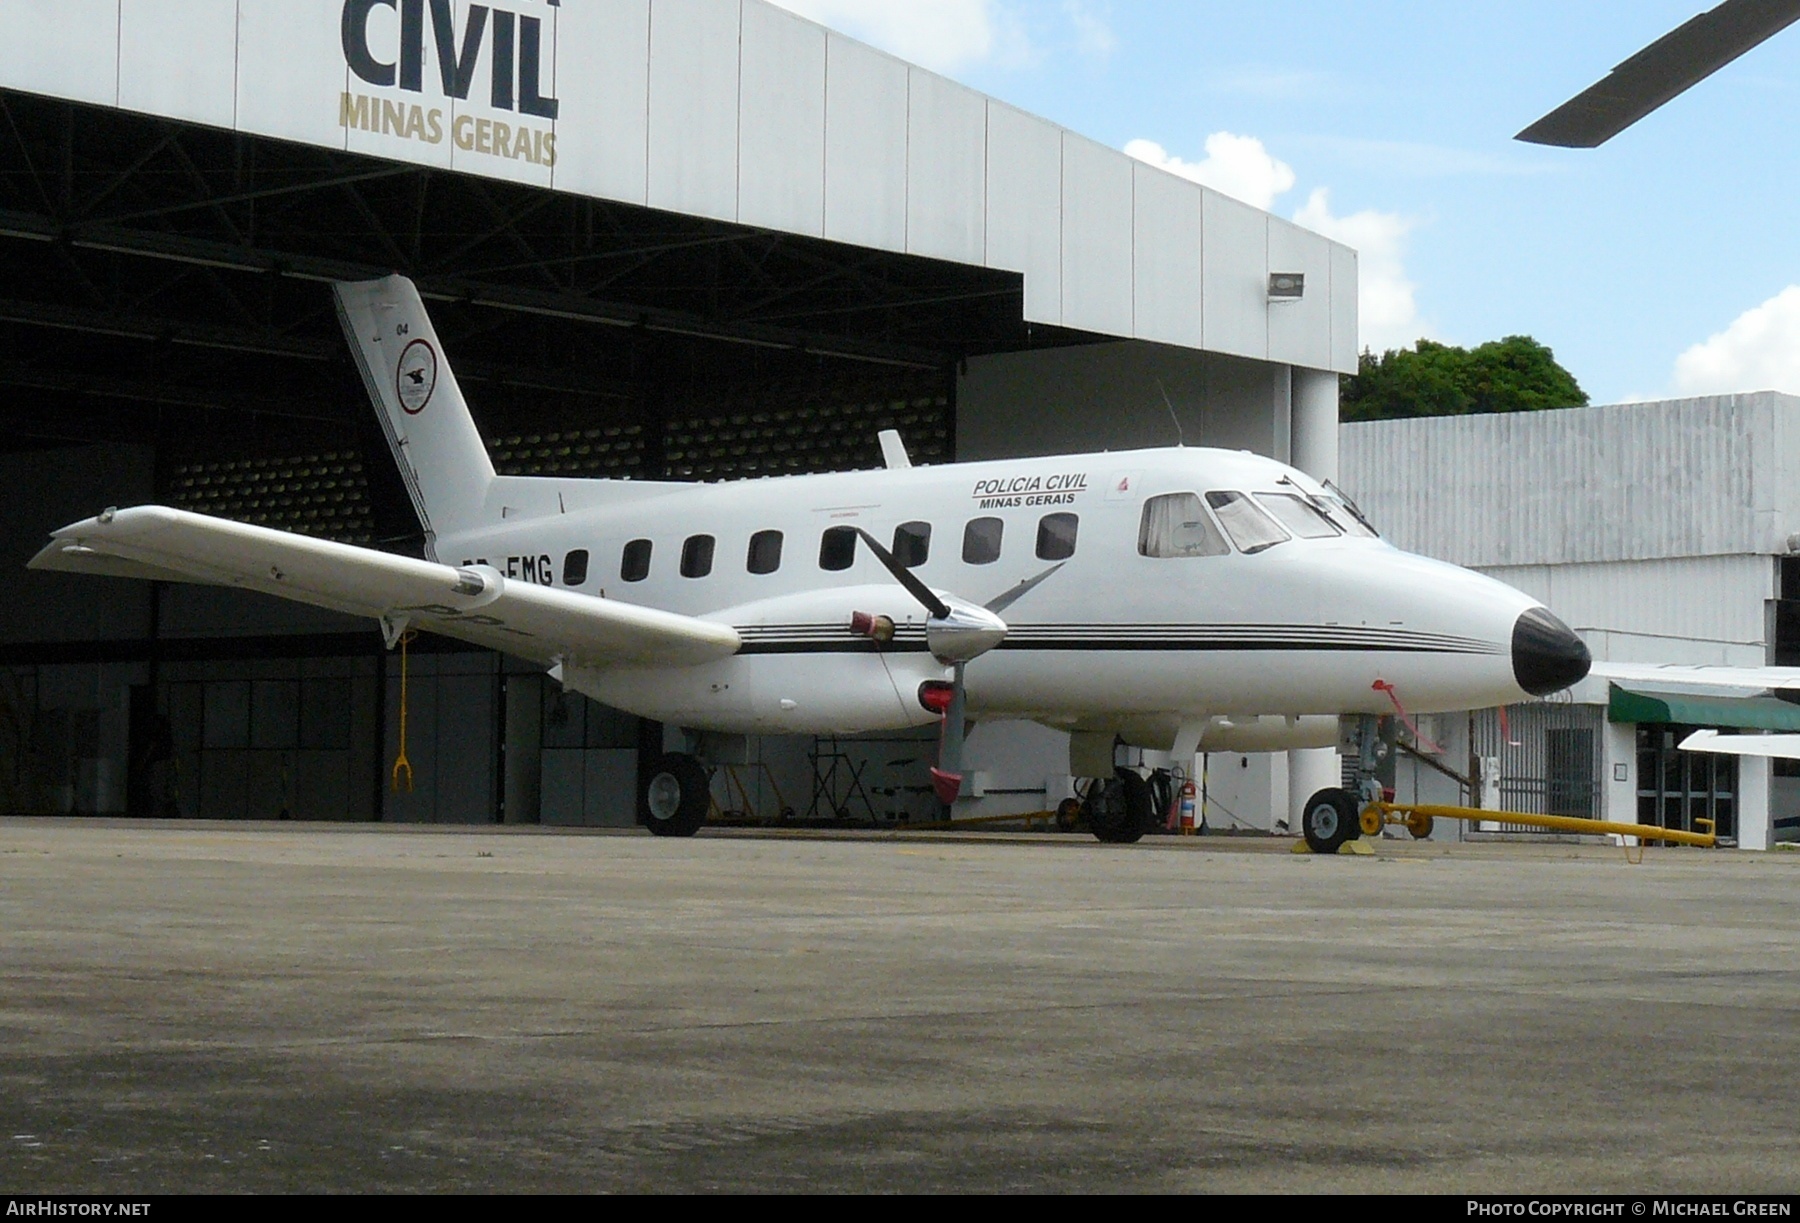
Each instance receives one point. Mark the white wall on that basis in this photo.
(1715, 476)
(1695, 609)
(1754, 813)
(1618, 778)
(1245, 790)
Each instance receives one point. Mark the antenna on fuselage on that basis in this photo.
(893, 450)
(1180, 439)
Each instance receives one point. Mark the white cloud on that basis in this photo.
(942, 35)
(1759, 351)
(1239, 166)
(1242, 168)
(1093, 37)
(1260, 81)
(1388, 315)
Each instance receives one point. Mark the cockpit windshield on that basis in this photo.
(1299, 515)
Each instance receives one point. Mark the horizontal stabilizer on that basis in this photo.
(472, 603)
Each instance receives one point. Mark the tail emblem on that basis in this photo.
(416, 376)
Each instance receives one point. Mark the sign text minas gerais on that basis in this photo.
(515, 43)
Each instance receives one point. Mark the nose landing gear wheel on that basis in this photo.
(1329, 819)
(675, 796)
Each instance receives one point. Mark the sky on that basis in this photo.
(1666, 262)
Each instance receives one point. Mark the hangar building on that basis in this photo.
(1663, 533)
(661, 239)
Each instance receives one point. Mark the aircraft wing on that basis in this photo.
(1784, 746)
(1745, 687)
(473, 603)
(1700, 680)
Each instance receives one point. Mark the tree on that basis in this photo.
(1516, 374)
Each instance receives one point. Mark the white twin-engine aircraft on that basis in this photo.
(1168, 599)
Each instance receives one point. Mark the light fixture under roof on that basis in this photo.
(1287, 286)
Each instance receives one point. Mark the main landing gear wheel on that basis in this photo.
(676, 795)
(1119, 811)
(1329, 820)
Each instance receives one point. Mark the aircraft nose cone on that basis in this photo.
(1547, 655)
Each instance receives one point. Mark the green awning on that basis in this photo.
(1723, 712)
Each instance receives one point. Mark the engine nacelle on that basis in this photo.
(807, 666)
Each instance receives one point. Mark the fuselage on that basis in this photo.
(1166, 585)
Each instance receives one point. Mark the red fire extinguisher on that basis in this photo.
(1189, 807)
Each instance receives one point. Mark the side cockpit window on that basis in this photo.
(1250, 528)
(1176, 524)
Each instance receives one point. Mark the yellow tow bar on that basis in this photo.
(1417, 818)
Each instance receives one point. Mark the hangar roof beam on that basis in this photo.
(142, 327)
(573, 306)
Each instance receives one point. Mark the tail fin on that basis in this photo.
(441, 456)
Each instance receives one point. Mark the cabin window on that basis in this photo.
(837, 548)
(697, 556)
(1250, 528)
(634, 565)
(1298, 515)
(981, 541)
(1176, 524)
(912, 543)
(1056, 537)
(765, 552)
(575, 567)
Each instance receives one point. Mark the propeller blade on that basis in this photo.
(946, 775)
(1006, 599)
(907, 578)
(1666, 68)
(955, 635)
